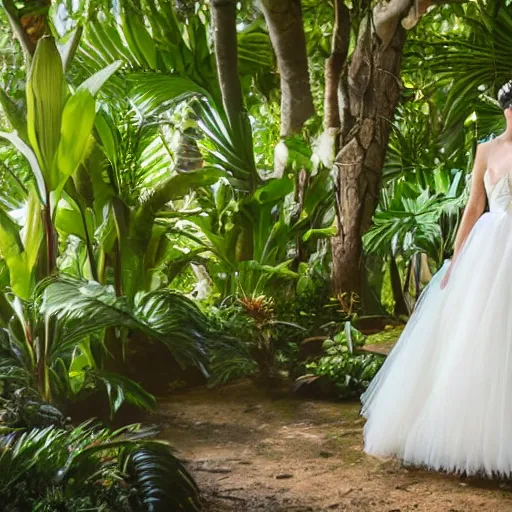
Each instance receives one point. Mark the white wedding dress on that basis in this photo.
(443, 398)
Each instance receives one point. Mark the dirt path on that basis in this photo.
(252, 451)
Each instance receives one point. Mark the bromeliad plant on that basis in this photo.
(250, 345)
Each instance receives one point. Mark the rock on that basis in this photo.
(283, 476)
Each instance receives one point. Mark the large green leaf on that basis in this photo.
(45, 101)
(11, 250)
(68, 220)
(154, 92)
(33, 229)
(27, 152)
(94, 83)
(75, 137)
(161, 481)
(182, 184)
(121, 389)
(139, 38)
(109, 137)
(274, 190)
(14, 114)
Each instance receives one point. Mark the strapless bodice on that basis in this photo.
(499, 193)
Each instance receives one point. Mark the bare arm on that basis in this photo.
(476, 202)
(474, 207)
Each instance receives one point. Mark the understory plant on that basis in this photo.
(77, 362)
(349, 371)
(92, 468)
(251, 344)
(80, 255)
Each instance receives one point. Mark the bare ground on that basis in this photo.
(252, 450)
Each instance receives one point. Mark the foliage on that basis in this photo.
(408, 226)
(350, 372)
(390, 334)
(92, 468)
(252, 344)
(78, 360)
(22, 407)
(469, 59)
(76, 181)
(154, 189)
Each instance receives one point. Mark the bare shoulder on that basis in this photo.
(483, 148)
(482, 155)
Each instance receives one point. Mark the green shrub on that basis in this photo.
(92, 468)
(349, 371)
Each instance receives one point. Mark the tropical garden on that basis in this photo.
(195, 194)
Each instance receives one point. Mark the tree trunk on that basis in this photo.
(335, 64)
(226, 53)
(284, 20)
(370, 92)
(29, 21)
(188, 154)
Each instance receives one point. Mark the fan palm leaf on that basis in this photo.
(469, 66)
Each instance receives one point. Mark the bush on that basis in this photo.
(347, 370)
(92, 468)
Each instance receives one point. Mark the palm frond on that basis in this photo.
(95, 468)
(161, 481)
(86, 307)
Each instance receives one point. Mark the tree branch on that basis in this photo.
(387, 15)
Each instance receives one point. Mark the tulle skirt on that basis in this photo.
(443, 398)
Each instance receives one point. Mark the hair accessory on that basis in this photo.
(505, 95)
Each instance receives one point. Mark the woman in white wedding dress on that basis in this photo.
(443, 398)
